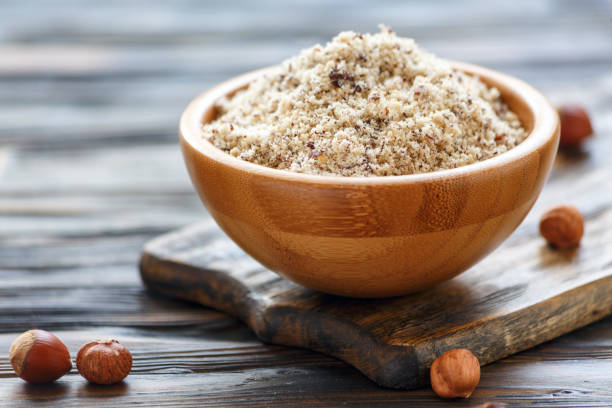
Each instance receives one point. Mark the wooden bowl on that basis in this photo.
(373, 236)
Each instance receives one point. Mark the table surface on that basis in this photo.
(90, 95)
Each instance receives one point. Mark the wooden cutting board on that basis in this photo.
(523, 294)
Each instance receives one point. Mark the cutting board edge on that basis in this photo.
(390, 365)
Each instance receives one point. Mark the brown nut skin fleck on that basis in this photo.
(38, 356)
(455, 374)
(104, 361)
(562, 226)
(575, 126)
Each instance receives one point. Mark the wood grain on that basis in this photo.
(93, 171)
(491, 310)
(371, 237)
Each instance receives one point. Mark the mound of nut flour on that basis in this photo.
(365, 105)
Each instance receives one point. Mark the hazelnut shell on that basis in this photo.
(575, 125)
(455, 374)
(104, 361)
(38, 356)
(562, 226)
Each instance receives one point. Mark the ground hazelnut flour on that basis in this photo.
(365, 105)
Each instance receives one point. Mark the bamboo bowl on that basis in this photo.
(373, 236)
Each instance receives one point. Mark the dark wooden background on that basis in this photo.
(90, 96)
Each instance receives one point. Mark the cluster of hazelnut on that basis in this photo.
(38, 356)
(563, 226)
(456, 373)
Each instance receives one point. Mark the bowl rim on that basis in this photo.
(545, 123)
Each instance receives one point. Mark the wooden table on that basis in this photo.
(90, 95)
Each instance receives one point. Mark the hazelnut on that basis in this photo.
(104, 361)
(491, 405)
(575, 125)
(562, 226)
(38, 356)
(455, 374)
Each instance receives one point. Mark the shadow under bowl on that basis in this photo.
(373, 236)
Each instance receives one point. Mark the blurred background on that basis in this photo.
(99, 86)
(91, 93)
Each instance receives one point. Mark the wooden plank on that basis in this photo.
(89, 98)
(522, 293)
(118, 171)
(182, 55)
(3, 159)
(188, 369)
(269, 20)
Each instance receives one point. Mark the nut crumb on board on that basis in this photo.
(365, 105)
